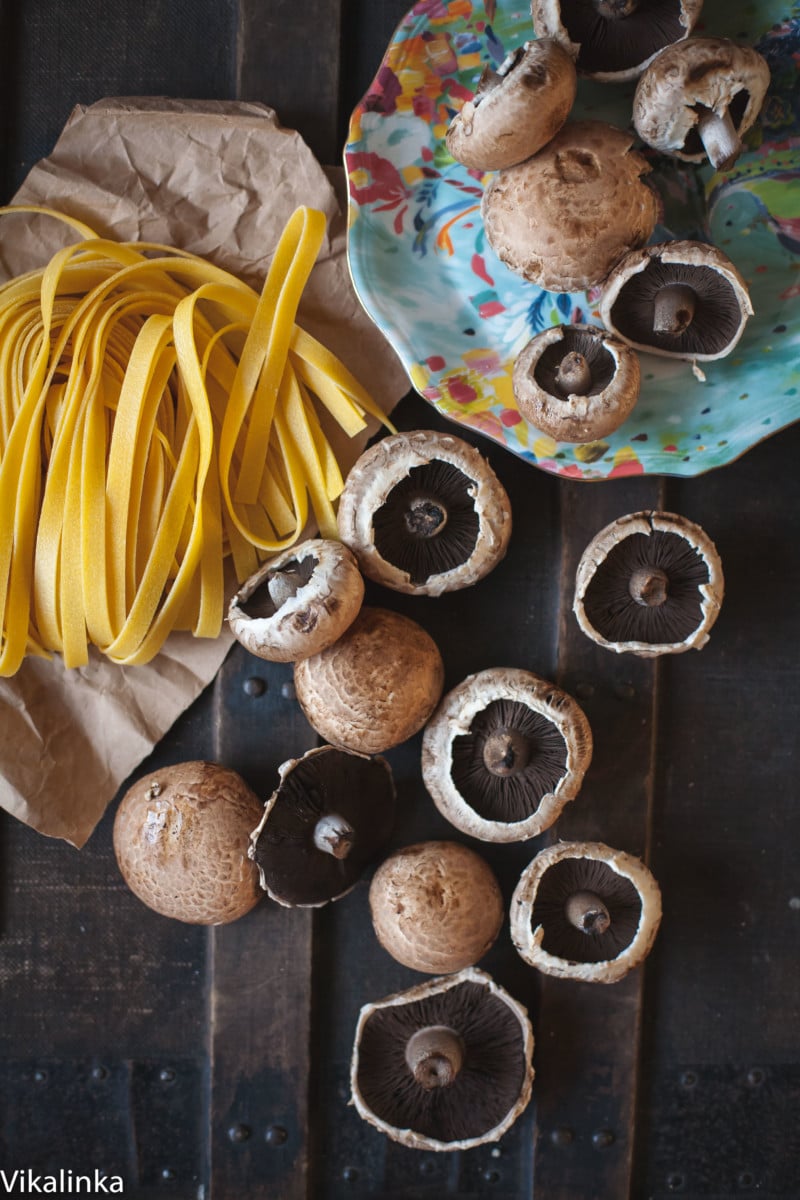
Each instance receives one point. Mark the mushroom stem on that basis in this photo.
(505, 752)
(613, 10)
(283, 584)
(720, 138)
(648, 586)
(587, 912)
(425, 518)
(434, 1056)
(573, 375)
(673, 308)
(333, 835)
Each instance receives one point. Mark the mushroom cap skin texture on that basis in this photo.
(436, 906)
(682, 618)
(722, 304)
(560, 410)
(375, 687)
(609, 49)
(330, 815)
(492, 1088)
(516, 109)
(396, 493)
(298, 603)
(565, 217)
(689, 79)
(503, 754)
(540, 929)
(181, 836)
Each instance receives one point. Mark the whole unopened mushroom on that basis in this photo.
(299, 602)
(516, 109)
(504, 753)
(576, 383)
(584, 911)
(445, 1065)
(566, 216)
(613, 40)
(679, 299)
(697, 98)
(650, 583)
(375, 687)
(436, 906)
(424, 513)
(331, 814)
(181, 836)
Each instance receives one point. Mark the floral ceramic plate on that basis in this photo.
(457, 316)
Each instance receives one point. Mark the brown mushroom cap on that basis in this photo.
(697, 98)
(298, 603)
(708, 328)
(516, 109)
(181, 836)
(566, 216)
(424, 513)
(375, 687)
(613, 40)
(503, 754)
(576, 383)
(584, 911)
(436, 906)
(650, 583)
(479, 1100)
(331, 814)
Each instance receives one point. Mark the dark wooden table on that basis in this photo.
(214, 1063)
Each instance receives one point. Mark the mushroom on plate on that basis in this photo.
(424, 513)
(503, 754)
(678, 299)
(298, 603)
(576, 383)
(584, 911)
(613, 40)
(563, 218)
(650, 583)
(436, 906)
(375, 687)
(697, 98)
(328, 818)
(443, 1066)
(516, 109)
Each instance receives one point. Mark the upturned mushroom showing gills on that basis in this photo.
(298, 603)
(563, 218)
(697, 99)
(678, 299)
(375, 687)
(330, 816)
(516, 109)
(584, 911)
(503, 754)
(436, 906)
(650, 583)
(613, 40)
(444, 1066)
(576, 383)
(424, 513)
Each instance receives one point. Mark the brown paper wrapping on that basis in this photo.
(221, 180)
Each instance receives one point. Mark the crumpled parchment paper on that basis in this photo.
(219, 179)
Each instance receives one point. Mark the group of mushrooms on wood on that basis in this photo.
(569, 209)
(502, 753)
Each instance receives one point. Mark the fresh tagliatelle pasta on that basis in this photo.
(156, 415)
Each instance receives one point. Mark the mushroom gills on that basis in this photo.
(712, 325)
(511, 758)
(556, 370)
(611, 602)
(484, 1089)
(620, 40)
(566, 888)
(428, 524)
(279, 586)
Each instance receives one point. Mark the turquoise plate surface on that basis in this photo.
(458, 317)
